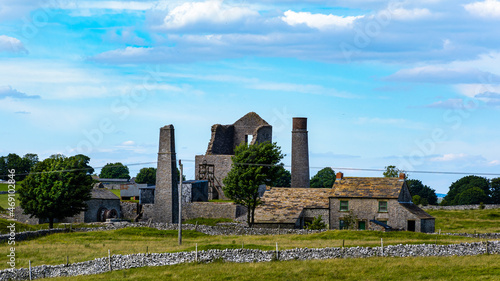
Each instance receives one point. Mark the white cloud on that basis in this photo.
(318, 21)
(128, 143)
(454, 104)
(212, 11)
(406, 14)
(459, 157)
(487, 8)
(11, 45)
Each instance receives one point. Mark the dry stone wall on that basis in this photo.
(118, 262)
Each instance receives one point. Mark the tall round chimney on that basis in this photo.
(300, 153)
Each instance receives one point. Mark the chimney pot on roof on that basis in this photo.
(340, 175)
(402, 176)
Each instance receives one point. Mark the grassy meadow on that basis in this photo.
(483, 267)
(82, 246)
(467, 221)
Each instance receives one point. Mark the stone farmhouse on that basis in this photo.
(375, 203)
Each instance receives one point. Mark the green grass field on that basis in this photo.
(468, 221)
(82, 246)
(483, 267)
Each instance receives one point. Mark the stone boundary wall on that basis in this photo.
(119, 262)
(212, 210)
(223, 229)
(460, 207)
(26, 235)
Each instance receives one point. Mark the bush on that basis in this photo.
(316, 224)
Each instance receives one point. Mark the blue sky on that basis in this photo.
(416, 85)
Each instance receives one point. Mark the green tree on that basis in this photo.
(4, 173)
(253, 165)
(416, 187)
(29, 160)
(324, 178)
(495, 191)
(57, 188)
(474, 195)
(146, 175)
(284, 178)
(114, 171)
(465, 183)
(392, 172)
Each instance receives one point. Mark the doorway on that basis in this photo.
(411, 225)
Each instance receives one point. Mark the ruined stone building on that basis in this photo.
(216, 163)
(375, 203)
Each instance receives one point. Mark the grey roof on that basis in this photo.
(113, 180)
(414, 209)
(148, 187)
(103, 193)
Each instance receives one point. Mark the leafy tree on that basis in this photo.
(114, 171)
(325, 178)
(465, 183)
(416, 187)
(392, 172)
(253, 165)
(495, 191)
(417, 200)
(316, 224)
(22, 166)
(30, 159)
(3, 168)
(284, 178)
(474, 195)
(57, 188)
(146, 175)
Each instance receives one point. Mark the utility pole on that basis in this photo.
(180, 205)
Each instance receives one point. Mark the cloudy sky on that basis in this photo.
(414, 84)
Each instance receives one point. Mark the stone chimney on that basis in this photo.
(402, 176)
(166, 207)
(340, 175)
(300, 153)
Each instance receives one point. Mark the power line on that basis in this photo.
(289, 166)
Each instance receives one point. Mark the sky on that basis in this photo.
(415, 84)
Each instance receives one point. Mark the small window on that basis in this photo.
(344, 206)
(382, 206)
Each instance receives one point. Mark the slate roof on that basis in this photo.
(284, 205)
(414, 209)
(356, 187)
(103, 193)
